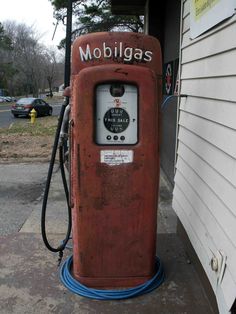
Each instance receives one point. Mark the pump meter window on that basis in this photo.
(116, 114)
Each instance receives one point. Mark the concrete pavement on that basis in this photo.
(29, 281)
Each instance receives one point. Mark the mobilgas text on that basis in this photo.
(118, 51)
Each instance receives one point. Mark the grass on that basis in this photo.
(42, 127)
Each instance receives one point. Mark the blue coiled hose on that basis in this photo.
(99, 294)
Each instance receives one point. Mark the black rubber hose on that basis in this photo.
(63, 175)
(64, 181)
(61, 247)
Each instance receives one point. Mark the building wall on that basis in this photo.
(204, 196)
(170, 49)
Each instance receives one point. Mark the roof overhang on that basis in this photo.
(128, 7)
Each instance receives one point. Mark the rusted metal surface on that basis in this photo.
(114, 217)
(115, 207)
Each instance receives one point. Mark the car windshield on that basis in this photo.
(25, 101)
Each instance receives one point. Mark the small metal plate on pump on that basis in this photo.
(116, 157)
(116, 114)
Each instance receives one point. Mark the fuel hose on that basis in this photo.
(63, 243)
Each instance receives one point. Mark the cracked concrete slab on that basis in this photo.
(29, 277)
(30, 282)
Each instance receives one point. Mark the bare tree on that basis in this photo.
(33, 62)
(50, 69)
(6, 70)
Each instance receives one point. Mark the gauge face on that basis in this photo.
(116, 114)
(116, 120)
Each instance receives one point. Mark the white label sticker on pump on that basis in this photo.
(116, 157)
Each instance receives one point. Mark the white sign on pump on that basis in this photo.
(116, 157)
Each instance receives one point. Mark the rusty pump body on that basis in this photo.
(115, 92)
(112, 126)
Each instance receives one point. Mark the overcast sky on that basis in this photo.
(37, 13)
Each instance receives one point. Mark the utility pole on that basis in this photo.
(68, 44)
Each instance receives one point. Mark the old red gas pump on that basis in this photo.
(114, 158)
(116, 89)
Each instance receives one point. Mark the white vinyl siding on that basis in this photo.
(204, 196)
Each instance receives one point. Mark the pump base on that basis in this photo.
(112, 282)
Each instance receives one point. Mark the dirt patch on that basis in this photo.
(25, 148)
(23, 142)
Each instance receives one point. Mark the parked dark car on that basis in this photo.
(24, 105)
